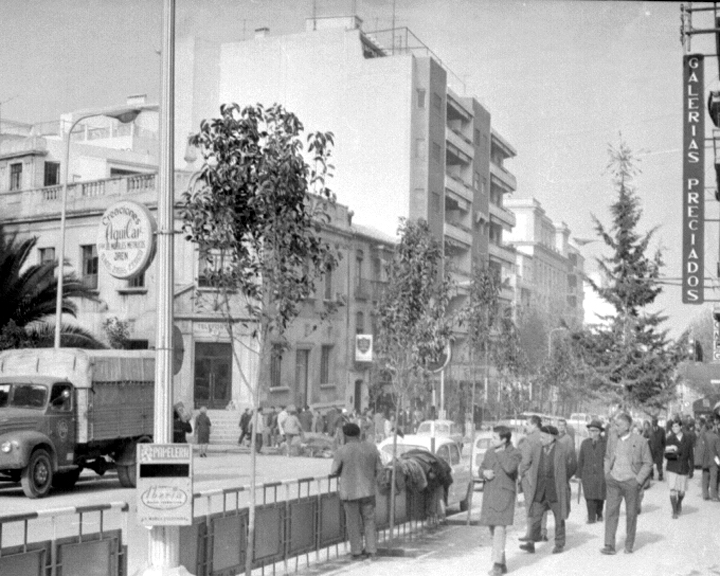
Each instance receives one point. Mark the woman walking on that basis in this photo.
(202, 429)
(680, 463)
(499, 469)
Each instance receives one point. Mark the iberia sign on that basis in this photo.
(693, 218)
(126, 239)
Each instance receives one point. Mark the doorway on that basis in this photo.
(213, 374)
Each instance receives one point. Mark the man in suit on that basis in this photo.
(358, 464)
(553, 466)
(627, 465)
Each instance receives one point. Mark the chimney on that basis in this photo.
(261, 32)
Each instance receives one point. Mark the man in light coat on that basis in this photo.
(553, 464)
(358, 464)
(627, 465)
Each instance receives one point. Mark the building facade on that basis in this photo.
(550, 267)
(319, 366)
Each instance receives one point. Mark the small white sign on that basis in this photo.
(126, 239)
(164, 484)
(363, 348)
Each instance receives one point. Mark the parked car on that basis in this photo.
(446, 428)
(480, 446)
(445, 448)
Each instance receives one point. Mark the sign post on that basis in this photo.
(164, 484)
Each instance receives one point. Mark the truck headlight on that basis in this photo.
(7, 447)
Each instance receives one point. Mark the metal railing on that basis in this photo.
(50, 548)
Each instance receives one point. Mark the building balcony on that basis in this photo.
(458, 187)
(507, 293)
(502, 216)
(461, 142)
(502, 177)
(368, 289)
(93, 195)
(502, 253)
(457, 233)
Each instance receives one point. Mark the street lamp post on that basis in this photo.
(124, 114)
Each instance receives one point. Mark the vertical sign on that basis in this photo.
(693, 180)
(716, 334)
(164, 484)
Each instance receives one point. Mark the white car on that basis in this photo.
(446, 428)
(445, 448)
(481, 445)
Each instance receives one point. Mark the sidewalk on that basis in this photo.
(688, 546)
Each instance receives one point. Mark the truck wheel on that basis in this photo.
(37, 477)
(127, 475)
(66, 480)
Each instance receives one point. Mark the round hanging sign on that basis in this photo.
(126, 239)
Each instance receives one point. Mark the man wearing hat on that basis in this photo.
(591, 473)
(553, 464)
(358, 465)
(627, 465)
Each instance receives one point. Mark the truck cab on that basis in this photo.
(37, 414)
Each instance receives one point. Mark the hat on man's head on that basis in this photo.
(596, 424)
(351, 429)
(549, 430)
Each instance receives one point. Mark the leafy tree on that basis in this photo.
(630, 358)
(412, 321)
(479, 316)
(511, 366)
(256, 214)
(117, 332)
(28, 295)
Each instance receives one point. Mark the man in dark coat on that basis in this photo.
(244, 422)
(710, 461)
(527, 449)
(552, 467)
(657, 448)
(590, 471)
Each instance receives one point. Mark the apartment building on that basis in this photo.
(409, 143)
(110, 162)
(550, 267)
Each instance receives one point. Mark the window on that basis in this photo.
(275, 366)
(359, 268)
(61, 397)
(476, 137)
(210, 264)
(90, 266)
(137, 282)
(421, 97)
(328, 295)
(15, 176)
(359, 323)
(52, 174)
(47, 255)
(325, 355)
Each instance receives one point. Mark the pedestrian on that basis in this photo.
(281, 417)
(379, 426)
(657, 448)
(527, 449)
(306, 419)
(244, 421)
(181, 426)
(202, 430)
(293, 429)
(553, 466)
(272, 427)
(627, 465)
(680, 465)
(358, 465)
(591, 473)
(260, 420)
(499, 470)
(710, 460)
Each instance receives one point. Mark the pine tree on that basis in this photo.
(629, 356)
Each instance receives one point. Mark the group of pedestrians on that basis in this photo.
(614, 465)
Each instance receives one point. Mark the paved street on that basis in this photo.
(692, 549)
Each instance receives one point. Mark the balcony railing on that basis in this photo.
(458, 232)
(369, 289)
(506, 178)
(93, 194)
(459, 186)
(502, 252)
(503, 215)
(460, 142)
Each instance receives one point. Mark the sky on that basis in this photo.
(563, 80)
